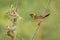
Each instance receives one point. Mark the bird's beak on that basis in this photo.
(30, 14)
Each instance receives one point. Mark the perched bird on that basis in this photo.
(38, 17)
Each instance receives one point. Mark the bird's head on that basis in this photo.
(33, 15)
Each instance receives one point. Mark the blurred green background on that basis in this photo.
(50, 27)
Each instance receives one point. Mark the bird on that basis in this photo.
(38, 17)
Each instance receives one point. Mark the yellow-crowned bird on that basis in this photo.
(38, 17)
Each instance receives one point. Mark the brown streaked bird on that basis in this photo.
(38, 17)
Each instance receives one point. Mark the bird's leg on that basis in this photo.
(39, 21)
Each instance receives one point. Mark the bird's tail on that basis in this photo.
(46, 15)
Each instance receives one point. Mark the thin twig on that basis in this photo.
(46, 7)
(35, 31)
